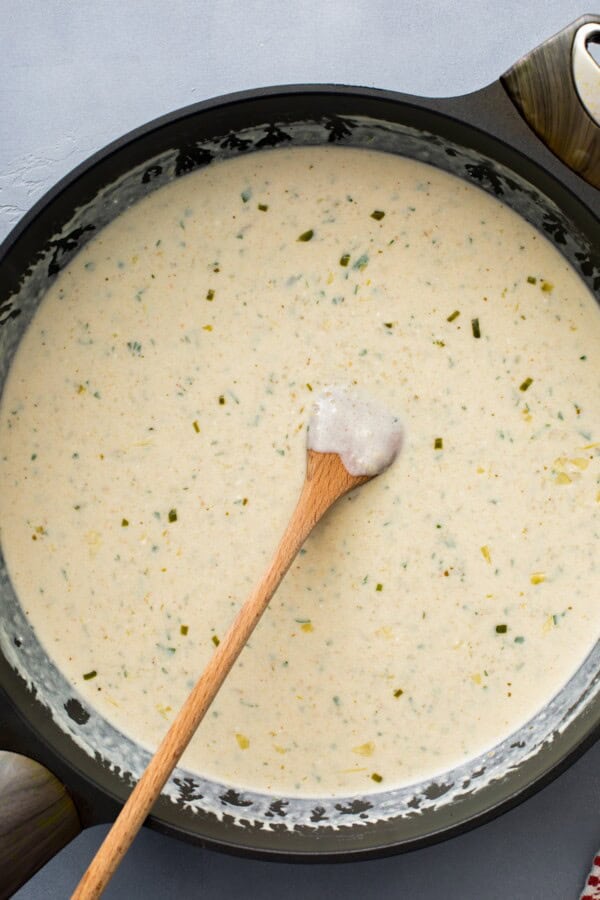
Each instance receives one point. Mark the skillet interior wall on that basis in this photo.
(17, 639)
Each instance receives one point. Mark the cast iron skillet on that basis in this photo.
(497, 138)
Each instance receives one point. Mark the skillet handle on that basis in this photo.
(37, 819)
(556, 88)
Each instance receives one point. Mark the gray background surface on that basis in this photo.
(75, 75)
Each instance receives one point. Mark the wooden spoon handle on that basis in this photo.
(326, 480)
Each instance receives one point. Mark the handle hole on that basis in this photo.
(592, 45)
(585, 68)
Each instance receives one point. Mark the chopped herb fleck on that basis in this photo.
(389, 324)
(124, 523)
(438, 444)
(398, 692)
(183, 629)
(531, 279)
(377, 777)
(527, 383)
(547, 287)
(379, 586)
(215, 640)
(501, 629)
(377, 214)
(519, 639)
(453, 315)
(243, 742)
(309, 386)
(362, 262)
(196, 426)
(89, 675)
(210, 294)
(263, 207)
(246, 194)
(172, 515)
(306, 236)
(221, 400)
(475, 327)
(367, 749)
(345, 259)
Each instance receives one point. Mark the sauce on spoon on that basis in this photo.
(365, 434)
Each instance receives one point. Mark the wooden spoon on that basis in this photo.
(327, 479)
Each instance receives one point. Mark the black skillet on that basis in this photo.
(526, 139)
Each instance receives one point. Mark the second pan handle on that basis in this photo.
(556, 88)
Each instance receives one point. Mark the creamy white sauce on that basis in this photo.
(152, 443)
(364, 434)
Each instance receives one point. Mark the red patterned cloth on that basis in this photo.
(591, 890)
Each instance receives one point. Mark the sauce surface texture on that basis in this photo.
(152, 442)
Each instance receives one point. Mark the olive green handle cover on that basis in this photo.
(542, 87)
